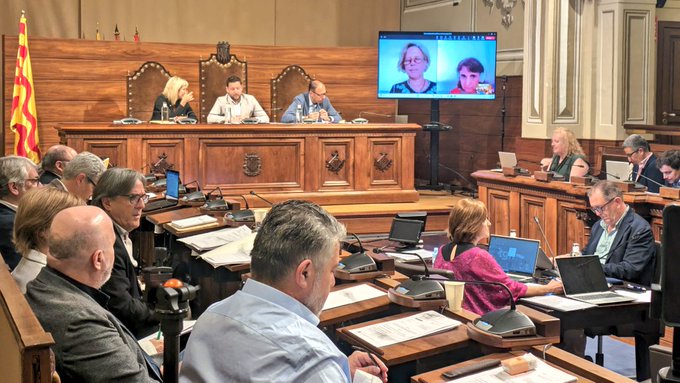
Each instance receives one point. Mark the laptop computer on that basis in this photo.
(516, 256)
(583, 279)
(618, 168)
(171, 193)
(507, 160)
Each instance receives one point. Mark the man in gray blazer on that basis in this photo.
(315, 105)
(91, 345)
(236, 106)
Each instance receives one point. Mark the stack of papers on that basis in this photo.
(153, 344)
(558, 303)
(233, 253)
(409, 256)
(214, 239)
(193, 221)
(400, 330)
(352, 295)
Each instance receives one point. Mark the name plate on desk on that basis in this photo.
(669, 193)
(544, 176)
(511, 172)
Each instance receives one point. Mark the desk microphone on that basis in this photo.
(547, 244)
(252, 192)
(244, 215)
(361, 118)
(358, 262)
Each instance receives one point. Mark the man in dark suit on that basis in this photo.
(645, 169)
(120, 193)
(621, 238)
(54, 162)
(625, 244)
(17, 176)
(315, 105)
(91, 345)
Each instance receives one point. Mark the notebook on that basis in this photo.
(516, 256)
(583, 279)
(171, 193)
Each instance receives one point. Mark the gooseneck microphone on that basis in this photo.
(252, 192)
(547, 244)
(650, 180)
(361, 247)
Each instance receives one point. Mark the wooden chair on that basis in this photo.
(214, 77)
(143, 87)
(25, 351)
(292, 81)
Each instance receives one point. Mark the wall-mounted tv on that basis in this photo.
(437, 65)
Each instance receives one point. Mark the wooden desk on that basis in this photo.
(324, 163)
(585, 371)
(355, 310)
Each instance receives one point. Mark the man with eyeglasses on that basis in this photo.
(81, 175)
(54, 162)
(644, 162)
(17, 176)
(120, 193)
(621, 238)
(315, 105)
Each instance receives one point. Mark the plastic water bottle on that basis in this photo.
(298, 114)
(513, 233)
(575, 250)
(165, 112)
(227, 115)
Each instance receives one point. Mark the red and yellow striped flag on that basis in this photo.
(24, 122)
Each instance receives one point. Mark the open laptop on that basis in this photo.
(171, 193)
(583, 279)
(516, 256)
(507, 160)
(618, 168)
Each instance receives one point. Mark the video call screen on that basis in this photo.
(437, 65)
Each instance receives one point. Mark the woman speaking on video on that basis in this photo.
(414, 61)
(469, 75)
(176, 96)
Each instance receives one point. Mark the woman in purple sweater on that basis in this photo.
(468, 225)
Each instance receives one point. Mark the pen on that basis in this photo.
(370, 354)
(158, 336)
(636, 288)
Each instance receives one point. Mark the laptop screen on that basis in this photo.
(507, 159)
(582, 274)
(619, 169)
(514, 255)
(172, 185)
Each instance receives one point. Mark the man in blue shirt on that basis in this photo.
(315, 105)
(669, 165)
(267, 332)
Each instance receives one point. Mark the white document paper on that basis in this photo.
(214, 239)
(643, 297)
(233, 253)
(351, 295)
(193, 221)
(400, 330)
(406, 257)
(364, 377)
(147, 343)
(558, 303)
(543, 373)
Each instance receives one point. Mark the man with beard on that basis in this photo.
(268, 330)
(90, 343)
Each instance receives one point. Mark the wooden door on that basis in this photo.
(668, 76)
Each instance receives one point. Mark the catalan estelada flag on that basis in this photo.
(24, 122)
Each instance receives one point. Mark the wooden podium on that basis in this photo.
(325, 163)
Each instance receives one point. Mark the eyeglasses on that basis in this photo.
(629, 155)
(414, 60)
(599, 209)
(319, 94)
(92, 182)
(135, 198)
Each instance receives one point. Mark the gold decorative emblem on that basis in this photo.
(383, 163)
(335, 164)
(223, 55)
(252, 165)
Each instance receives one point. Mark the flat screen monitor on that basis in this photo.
(437, 65)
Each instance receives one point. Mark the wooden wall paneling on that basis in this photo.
(114, 150)
(172, 149)
(336, 153)
(193, 159)
(499, 204)
(385, 156)
(533, 206)
(230, 158)
(570, 226)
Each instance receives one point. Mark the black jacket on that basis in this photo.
(651, 170)
(174, 110)
(9, 252)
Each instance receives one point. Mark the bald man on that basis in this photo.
(315, 105)
(90, 343)
(54, 162)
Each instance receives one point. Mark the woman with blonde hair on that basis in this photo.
(176, 96)
(32, 227)
(568, 158)
(468, 225)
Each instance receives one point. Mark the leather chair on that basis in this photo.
(143, 87)
(292, 81)
(213, 80)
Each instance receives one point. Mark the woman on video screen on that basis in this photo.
(414, 61)
(469, 74)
